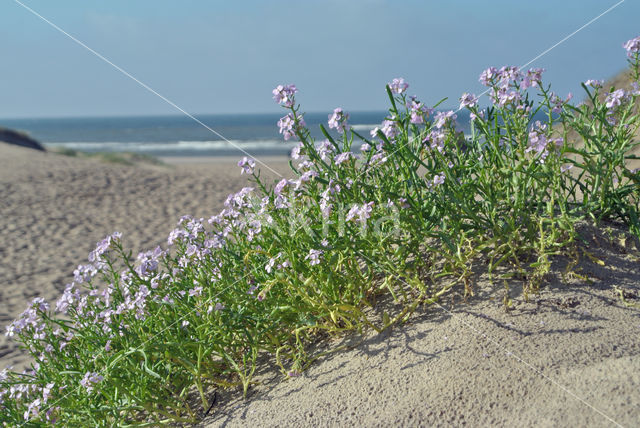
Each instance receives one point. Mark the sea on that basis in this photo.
(177, 136)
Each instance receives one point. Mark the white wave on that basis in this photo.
(180, 146)
(364, 127)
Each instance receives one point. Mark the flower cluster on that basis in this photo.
(284, 94)
(632, 47)
(247, 165)
(398, 86)
(596, 84)
(290, 124)
(615, 98)
(507, 83)
(418, 111)
(468, 100)
(314, 257)
(360, 213)
(338, 120)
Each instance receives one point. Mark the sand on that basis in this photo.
(568, 357)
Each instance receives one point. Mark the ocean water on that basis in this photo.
(159, 136)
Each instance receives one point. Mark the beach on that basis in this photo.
(569, 356)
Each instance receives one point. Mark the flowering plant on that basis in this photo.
(407, 213)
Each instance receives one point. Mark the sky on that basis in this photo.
(226, 56)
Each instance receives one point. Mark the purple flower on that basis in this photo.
(271, 263)
(218, 307)
(90, 379)
(468, 100)
(40, 303)
(418, 111)
(285, 264)
(632, 46)
(390, 129)
(362, 212)
(538, 141)
(398, 85)
(325, 205)
(558, 102)
(435, 138)
(504, 96)
(149, 261)
(438, 180)
(84, 273)
(32, 410)
(478, 116)
(254, 229)
(338, 120)
(281, 202)
(532, 79)
(247, 165)
(566, 167)
(177, 235)
(103, 246)
(324, 149)
(288, 125)
(305, 165)
(488, 75)
(195, 291)
(593, 83)
(281, 186)
(68, 297)
(296, 152)
(283, 94)
(314, 257)
(308, 175)
(234, 200)
(614, 98)
(508, 74)
(353, 212)
(443, 118)
(379, 157)
(343, 157)
(46, 391)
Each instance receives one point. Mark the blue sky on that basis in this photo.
(226, 56)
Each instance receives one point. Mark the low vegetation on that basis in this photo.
(403, 212)
(124, 158)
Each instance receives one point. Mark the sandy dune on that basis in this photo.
(568, 357)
